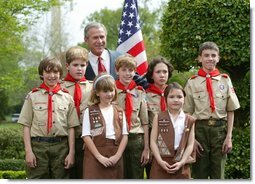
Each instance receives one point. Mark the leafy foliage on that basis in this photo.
(238, 163)
(188, 23)
(11, 142)
(12, 175)
(12, 164)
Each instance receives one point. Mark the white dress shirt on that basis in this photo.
(93, 59)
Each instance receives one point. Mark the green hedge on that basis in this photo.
(12, 164)
(238, 162)
(12, 175)
(11, 141)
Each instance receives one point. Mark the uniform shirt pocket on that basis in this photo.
(220, 100)
(40, 114)
(201, 100)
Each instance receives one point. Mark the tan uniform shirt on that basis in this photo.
(197, 101)
(34, 113)
(86, 89)
(153, 101)
(139, 115)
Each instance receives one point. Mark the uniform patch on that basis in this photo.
(222, 87)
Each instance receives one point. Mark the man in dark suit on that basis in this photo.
(95, 36)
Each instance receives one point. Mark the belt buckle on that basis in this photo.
(211, 122)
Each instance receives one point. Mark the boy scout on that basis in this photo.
(132, 99)
(48, 117)
(211, 99)
(80, 89)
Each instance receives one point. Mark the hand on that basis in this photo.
(31, 160)
(114, 159)
(165, 165)
(145, 157)
(69, 161)
(105, 161)
(175, 167)
(227, 146)
(198, 148)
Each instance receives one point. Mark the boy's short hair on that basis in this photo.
(171, 86)
(76, 52)
(208, 45)
(125, 60)
(49, 64)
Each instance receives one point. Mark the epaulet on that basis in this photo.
(193, 77)
(225, 75)
(35, 89)
(140, 88)
(64, 90)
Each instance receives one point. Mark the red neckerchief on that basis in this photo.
(154, 89)
(77, 91)
(128, 104)
(208, 76)
(50, 94)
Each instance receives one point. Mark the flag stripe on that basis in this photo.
(139, 47)
(140, 58)
(141, 68)
(129, 43)
(130, 35)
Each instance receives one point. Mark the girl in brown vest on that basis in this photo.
(104, 132)
(172, 138)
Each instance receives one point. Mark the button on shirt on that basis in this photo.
(93, 59)
(179, 126)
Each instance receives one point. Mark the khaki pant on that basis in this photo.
(212, 162)
(50, 159)
(132, 157)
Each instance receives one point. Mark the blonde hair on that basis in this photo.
(76, 52)
(125, 60)
(102, 82)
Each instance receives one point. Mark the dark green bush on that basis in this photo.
(11, 142)
(238, 162)
(12, 175)
(12, 164)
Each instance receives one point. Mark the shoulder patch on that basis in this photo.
(64, 90)
(193, 77)
(35, 89)
(225, 75)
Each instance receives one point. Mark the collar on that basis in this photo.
(94, 57)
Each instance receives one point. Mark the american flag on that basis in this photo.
(130, 36)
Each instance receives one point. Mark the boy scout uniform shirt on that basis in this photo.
(139, 115)
(153, 101)
(34, 113)
(86, 89)
(197, 101)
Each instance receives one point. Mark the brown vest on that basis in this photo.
(97, 125)
(166, 134)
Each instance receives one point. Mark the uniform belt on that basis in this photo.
(48, 139)
(212, 122)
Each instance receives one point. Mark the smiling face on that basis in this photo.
(209, 58)
(51, 78)
(77, 68)
(126, 75)
(96, 40)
